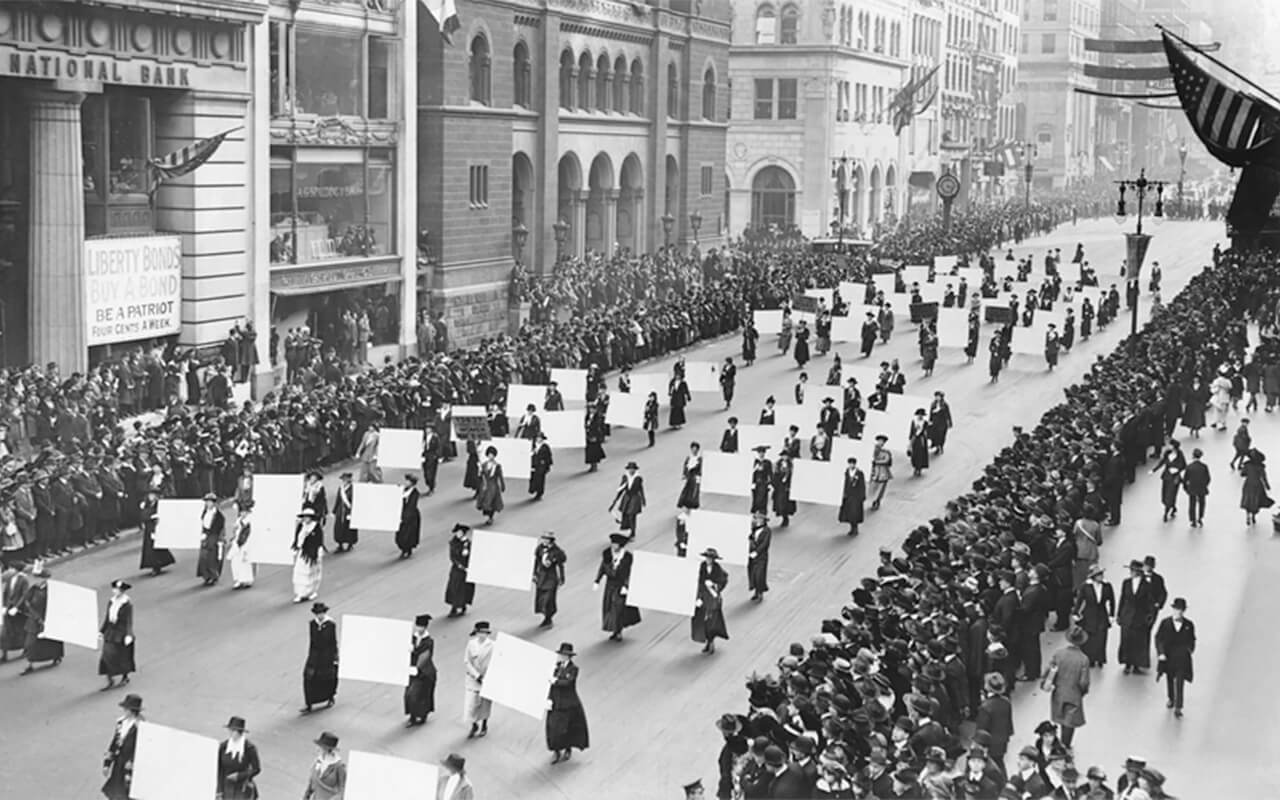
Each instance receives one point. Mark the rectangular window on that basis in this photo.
(329, 79)
(705, 181)
(380, 57)
(1050, 10)
(116, 142)
(764, 99)
(1048, 43)
(786, 98)
(479, 182)
(331, 204)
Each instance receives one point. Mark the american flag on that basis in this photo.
(446, 15)
(1234, 125)
(187, 159)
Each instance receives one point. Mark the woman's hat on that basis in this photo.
(236, 724)
(566, 649)
(1180, 603)
(132, 702)
(711, 553)
(309, 513)
(211, 496)
(632, 465)
(1096, 570)
(620, 539)
(481, 627)
(460, 527)
(1046, 727)
(729, 723)
(1077, 635)
(995, 683)
(319, 608)
(123, 586)
(327, 740)
(455, 762)
(422, 620)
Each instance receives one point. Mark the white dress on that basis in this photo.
(242, 572)
(306, 576)
(475, 660)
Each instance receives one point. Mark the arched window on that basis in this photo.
(766, 25)
(566, 80)
(522, 74)
(620, 84)
(773, 198)
(584, 81)
(603, 84)
(790, 29)
(673, 91)
(637, 88)
(709, 94)
(479, 67)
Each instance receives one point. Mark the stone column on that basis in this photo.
(579, 221)
(609, 225)
(55, 291)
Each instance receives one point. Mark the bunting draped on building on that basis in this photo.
(187, 159)
(445, 13)
(903, 105)
(1150, 78)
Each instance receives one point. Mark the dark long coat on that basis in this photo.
(629, 500)
(320, 673)
(1135, 615)
(420, 694)
(209, 564)
(118, 762)
(761, 539)
(783, 505)
(343, 533)
(566, 719)
(614, 612)
(458, 593)
(708, 615)
(36, 648)
(761, 480)
(244, 769)
(410, 531)
(1095, 608)
(548, 576)
(854, 497)
(1177, 647)
(117, 657)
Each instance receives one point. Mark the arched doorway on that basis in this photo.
(630, 204)
(569, 186)
(600, 200)
(858, 187)
(671, 202)
(726, 224)
(773, 198)
(875, 210)
(891, 193)
(521, 198)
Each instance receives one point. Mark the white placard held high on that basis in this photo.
(504, 560)
(972, 277)
(626, 410)
(820, 482)
(519, 675)
(915, 274)
(169, 763)
(645, 382)
(848, 329)
(826, 295)
(374, 649)
(521, 396)
(854, 294)
(400, 448)
(277, 499)
(376, 506)
(1030, 341)
(565, 430)
(702, 376)
(572, 383)
(178, 525)
(768, 321)
(804, 417)
(371, 776)
(751, 435)
(726, 532)
(71, 615)
(844, 447)
(932, 292)
(515, 456)
(944, 264)
(663, 583)
(885, 282)
(727, 473)
(953, 327)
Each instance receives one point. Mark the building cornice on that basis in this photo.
(243, 11)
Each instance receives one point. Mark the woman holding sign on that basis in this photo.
(153, 558)
(308, 556)
(615, 571)
(492, 485)
(117, 637)
(708, 612)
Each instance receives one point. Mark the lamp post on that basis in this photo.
(561, 229)
(1137, 242)
(1027, 153)
(1182, 174)
(668, 222)
(695, 223)
(840, 175)
(519, 236)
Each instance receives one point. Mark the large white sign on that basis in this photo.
(132, 288)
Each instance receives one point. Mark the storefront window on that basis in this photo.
(116, 146)
(129, 132)
(380, 56)
(331, 205)
(328, 74)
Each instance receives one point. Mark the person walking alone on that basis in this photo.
(117, 637)
(420, 694)
(1195, 482)
(566, 724)
(548, 576)
(238, 764)
(1067, 680)
(1175, 645)
(475, 662)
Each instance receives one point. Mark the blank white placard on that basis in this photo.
(1006, 269)
(972, 277)
(724, 531)
(572, 383)
(806, 316)
(820, 482)
(1070, 272)
(515, 456)
(399, 448)
(751, 435)
(702, 376)
(915, 274)
(866, 378)
(660, 582)
(504, 560)
(768, 320)
(371, 776)
(953, 327)
(826, 295)
(519, 675)
(842, 447)
(71, 615)
(853, 293)
(895, 424)
(169, 763)
(804, 417)
(908, 403)
(178, 524)
(465, 412)
(520, 396)
(932, 292)
(376, 506)
(277, 499)
(374, 649)
(626, 410)
(645, 382)
(1030, 341)
(944, 264)
(565, 430)
(727, 473)
(847, 329)
(886, 282)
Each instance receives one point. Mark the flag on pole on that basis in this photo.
(903, 104)
(187, 159)
(446, 15)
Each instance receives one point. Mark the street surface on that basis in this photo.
(652, 699)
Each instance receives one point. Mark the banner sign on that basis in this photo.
(132, 288)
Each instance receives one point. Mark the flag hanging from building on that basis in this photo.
(183, 161)
(446, 15)
(903, 104)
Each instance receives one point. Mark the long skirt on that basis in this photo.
(544, 600)
(1096, 647)
(319, 685)
(116, 659)
(594, 453)
(420, 695)
(537, 482)
(209, 565)
(306, 576)
(615, 614)
(154, 557)
(241, 567)
(758, 574)
(474, 707)
(1135, 646)
(690, 494)
(708, 623)
(343, 533)
(38, 650)
(458, 593)
(567, 729)
(13, 632)
(676, 416)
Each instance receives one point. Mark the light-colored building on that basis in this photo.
(811, 141)
(1057, 121)
(928, 21)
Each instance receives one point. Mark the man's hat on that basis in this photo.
(690, 788)
(773, 756)
(549, 535)
(632, 465)
(132, 702)
(729, 723)
(1180, 603)
(906, 775)
(1135, 763)
(1096, 774)
(422, 620)
(803, 745)
(236, 724)
(880, 437)
(318, 608)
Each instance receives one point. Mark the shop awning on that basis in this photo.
(349, 274)
(921, 180)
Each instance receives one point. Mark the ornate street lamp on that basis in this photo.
(1182, 173)
(561, 229)
(1137, 242)
(695, 223)
(668, 222)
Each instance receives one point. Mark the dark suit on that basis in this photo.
(540, 465)
(1008, 615)
(1095, 606)
(236, 773)
(1175, 646)
(629, 501)
(1034, 608)
(790, 783)
(1135, 615)
(1195, 481)
(995, 716)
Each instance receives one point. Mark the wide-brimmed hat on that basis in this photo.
(422, 620)
(1046, 727)
(1077, 635)
(619, 539)
(481, 627)
(1179, 603)
(308, 513)
(455, 762)
(132, 702)
(327, 740)
(1096, 570)
(549, 535)
(318, 608)
(729, 723)
(632, 465)
(995, 683)
(711, 553)
(566, 649)
(236, 724)
(1135, 763)
(123, 586)
(210, 496)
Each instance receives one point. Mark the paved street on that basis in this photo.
(651, 700)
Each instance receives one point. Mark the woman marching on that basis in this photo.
(708, 613)
(492, 485)
(212, 524)
(691, 492)
(308, 556)
(117, 637)
(153, 558)
(242, 569)
(566, 719)
(420, 694)
(458, 592)
(651, 417)
(410, 531)
(784, 333)
(783, 505)
(802, 344)
(344, 536)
